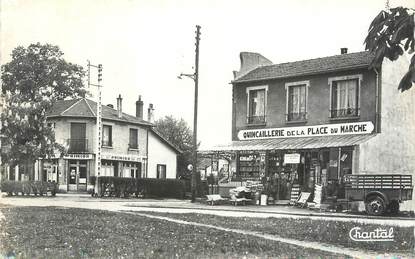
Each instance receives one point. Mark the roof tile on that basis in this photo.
(84, 107)
(308, 67)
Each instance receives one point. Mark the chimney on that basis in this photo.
(343, 51)
(250, 61)
(119, 106)
(139, 108)
(150, 114)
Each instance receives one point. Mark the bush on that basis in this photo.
(28, 187)
(123, 187)
(164, 188)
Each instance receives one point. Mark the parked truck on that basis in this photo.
(380, 192)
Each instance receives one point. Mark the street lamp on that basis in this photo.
(195, 78)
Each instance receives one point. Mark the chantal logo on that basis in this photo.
(379, 234)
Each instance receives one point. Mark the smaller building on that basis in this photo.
(162, 156)
(131, 147)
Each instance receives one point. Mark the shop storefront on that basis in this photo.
(279, 170)
(72, 171)
(278, 159)
(123, 165)
(78, 171)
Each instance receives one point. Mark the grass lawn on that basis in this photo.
(53, 232)
(329, 232)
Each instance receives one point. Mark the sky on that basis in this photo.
(144, 45)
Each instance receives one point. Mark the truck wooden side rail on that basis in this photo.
(380, 192)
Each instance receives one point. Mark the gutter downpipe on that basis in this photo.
(145, 175)
(377, 101)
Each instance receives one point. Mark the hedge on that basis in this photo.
(28, 187)
(147, 187)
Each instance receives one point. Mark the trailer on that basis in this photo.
(380, 192)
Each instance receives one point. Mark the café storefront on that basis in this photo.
(72, 171)
(278, 158)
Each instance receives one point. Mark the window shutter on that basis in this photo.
(110, 136)
(334, 96)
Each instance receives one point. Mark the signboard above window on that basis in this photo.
(308, 131)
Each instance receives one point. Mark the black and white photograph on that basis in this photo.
(207, 129)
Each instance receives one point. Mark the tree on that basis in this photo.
(35, 78)
(179, 134)
(390, 34)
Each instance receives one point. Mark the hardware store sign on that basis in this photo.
(308, 131)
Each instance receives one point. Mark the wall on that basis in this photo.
(318, 101)
(121, 139)
(393, 150)
(120, 135)
(63, 130)
(160, 153)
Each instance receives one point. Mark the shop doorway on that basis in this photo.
(77, 175)
(282, 174)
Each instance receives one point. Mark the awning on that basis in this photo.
(293, 143)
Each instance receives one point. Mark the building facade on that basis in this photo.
(314, 121)
(130, 146)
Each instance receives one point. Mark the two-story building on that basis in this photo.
(131, 147)
(314, 121)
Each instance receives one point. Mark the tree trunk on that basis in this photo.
(30, 168)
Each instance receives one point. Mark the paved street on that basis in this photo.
(76, 200)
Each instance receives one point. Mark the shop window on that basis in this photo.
(133, 144)
(345, 93)
(107, 168)
(256, 107)
(107, 136)
(132, 170)
(250, 166)
(161, 171)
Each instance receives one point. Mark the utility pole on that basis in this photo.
(196, 174)
(98, 139)
(195, 76)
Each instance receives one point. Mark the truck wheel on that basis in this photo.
(394, 207)
(375, 205)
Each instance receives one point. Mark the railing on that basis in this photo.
(339, 113)
(296, 116)
(256, 119)
(106, 143)
(77, 145)
(390, 181)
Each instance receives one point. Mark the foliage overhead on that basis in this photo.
(35, 78)
(391, 34)
(179, 134)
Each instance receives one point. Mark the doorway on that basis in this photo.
(77, 175)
